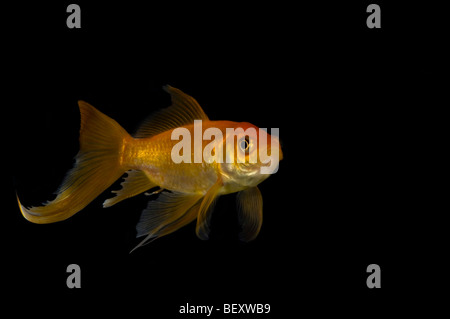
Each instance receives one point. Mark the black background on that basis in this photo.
(350, 103)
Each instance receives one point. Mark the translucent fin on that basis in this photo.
(166, 214)
(154, 193)
(135, 183)
(97, 166)
(206, 209)
(183, 111)
(250, 207)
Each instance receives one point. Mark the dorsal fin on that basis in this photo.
(183, 111)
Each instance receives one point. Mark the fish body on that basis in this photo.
(208, 170)
(153, 156)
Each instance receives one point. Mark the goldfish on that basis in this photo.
(187, 188)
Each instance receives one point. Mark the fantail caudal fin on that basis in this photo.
(97, 166)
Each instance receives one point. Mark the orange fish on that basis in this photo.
(150, 159)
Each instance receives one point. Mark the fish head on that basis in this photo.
(251, 154)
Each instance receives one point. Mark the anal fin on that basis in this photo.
(135, 183)
(169, 212)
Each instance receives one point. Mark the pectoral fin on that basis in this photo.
(250, 207)
(206, 209)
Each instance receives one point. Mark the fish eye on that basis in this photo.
(244, 144)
